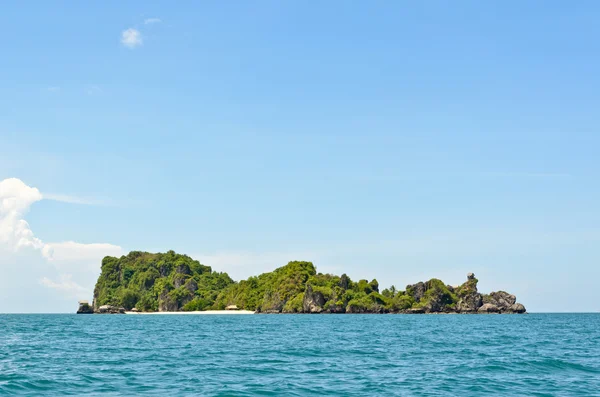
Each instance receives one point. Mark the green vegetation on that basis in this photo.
(437, 297)
(284, 290)
(153, 282)
(174, 282)
(270, 291)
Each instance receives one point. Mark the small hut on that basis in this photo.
(232, 307)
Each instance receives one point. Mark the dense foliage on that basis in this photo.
(173, 282)
(153, 282)
(284, 290)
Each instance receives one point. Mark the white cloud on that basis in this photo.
(67, 286)
(68, 252)
(63, 198)
(15, 200)
(131, 38)
(150, 21)
(75, 265)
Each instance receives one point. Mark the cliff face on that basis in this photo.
(173, 282)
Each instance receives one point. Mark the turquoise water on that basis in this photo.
(301, 355)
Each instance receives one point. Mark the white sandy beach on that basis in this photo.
(228, 312)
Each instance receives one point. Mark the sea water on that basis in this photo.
(301, 355)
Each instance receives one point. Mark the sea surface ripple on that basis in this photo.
(301, 355)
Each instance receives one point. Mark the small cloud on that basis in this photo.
(53, 89)
(150, 21)
(66, 285)
(131, 38)
(63, 198)
(69, 252)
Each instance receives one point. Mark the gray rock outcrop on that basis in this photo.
(191, 285)
(416, 290)
(166, 303)
(469, 299)
(502, 299)
(85, 308)
(183, 269)
(516, 308)
(469, 303)
(109, 309)
(488, 308)
(313, 301)
(179, 279)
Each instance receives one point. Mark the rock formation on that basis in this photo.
(85, 308)
(313, 301)
(504, 302)
(109, 309)
(469, 299)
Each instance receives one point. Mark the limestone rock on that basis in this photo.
(109, 309)
(488, 308)
(517, 308)
(166, 303)
(354, 309)
(178, 280)
(191, 285)
(469, 299)
(183, 269)
(505, 302)
(469, 303)
(85, 308)
(503, 299)
(333, 308)
(313, 301)
(344, 281)
(436, 303)
(164, 270)
(416, 290)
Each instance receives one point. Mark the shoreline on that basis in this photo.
(245, 312)
(206, 312)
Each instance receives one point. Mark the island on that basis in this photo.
(143, 282)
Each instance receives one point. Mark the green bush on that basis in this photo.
(294, 305)
(129, 298)
(197, 304)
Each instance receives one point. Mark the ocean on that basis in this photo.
(300, 355)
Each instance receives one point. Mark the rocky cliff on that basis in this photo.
(435, 297)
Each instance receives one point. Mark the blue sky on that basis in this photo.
(382, 139)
